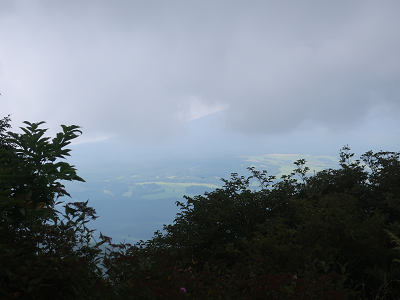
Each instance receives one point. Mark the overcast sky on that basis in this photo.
(142, 68)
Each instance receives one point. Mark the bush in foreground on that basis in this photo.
(324, 236)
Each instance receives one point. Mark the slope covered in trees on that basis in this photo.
(330, 235)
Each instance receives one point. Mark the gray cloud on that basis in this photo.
(134, 67)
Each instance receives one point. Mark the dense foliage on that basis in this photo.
(44, 254)
(330, 235)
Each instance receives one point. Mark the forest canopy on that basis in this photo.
(329, 235)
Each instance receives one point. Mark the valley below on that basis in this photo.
(134, 199)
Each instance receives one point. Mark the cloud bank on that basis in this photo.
(140, 69)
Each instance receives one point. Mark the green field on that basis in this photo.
(191, 180)
(172, 190)
(285, 162)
